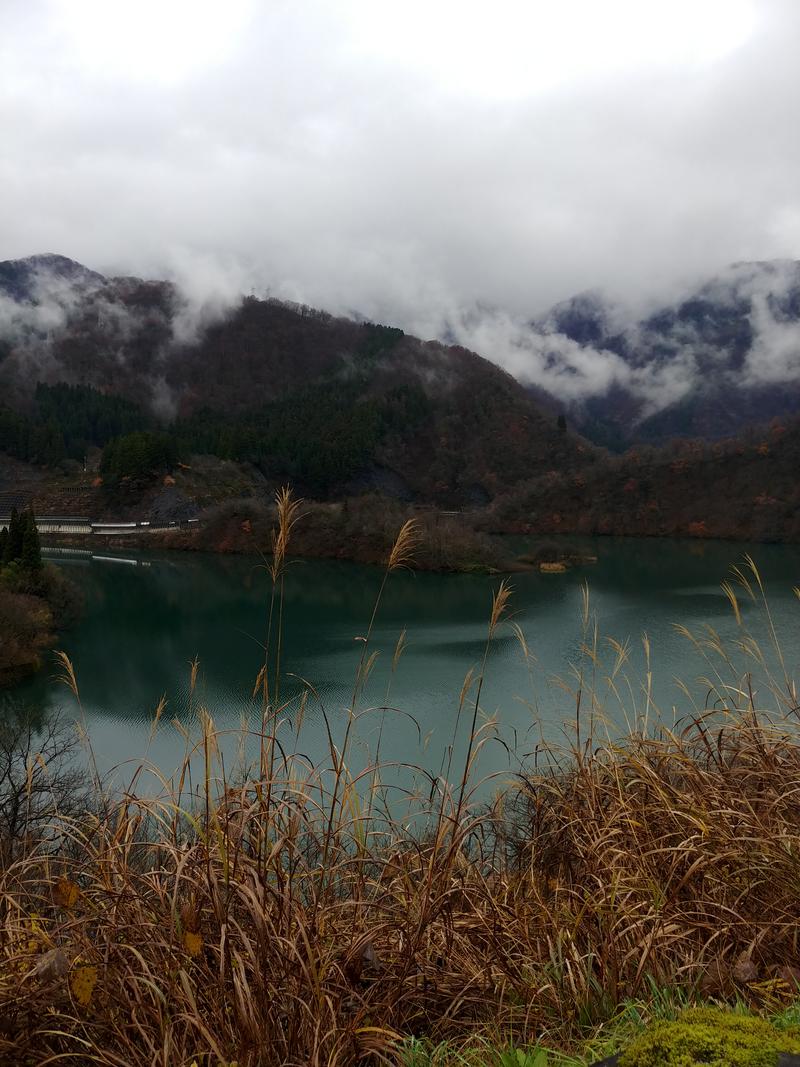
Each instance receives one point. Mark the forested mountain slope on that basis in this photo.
(332, 404)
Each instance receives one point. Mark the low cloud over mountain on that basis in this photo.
(703, 363)
(721, 354)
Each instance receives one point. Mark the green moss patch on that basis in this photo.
(711, 1037)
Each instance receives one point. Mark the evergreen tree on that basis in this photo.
(13, 549)
(31, 554)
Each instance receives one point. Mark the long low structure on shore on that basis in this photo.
(72, 524)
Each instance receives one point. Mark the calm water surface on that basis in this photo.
(148, 616)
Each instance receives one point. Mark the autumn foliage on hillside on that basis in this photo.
(744, 488)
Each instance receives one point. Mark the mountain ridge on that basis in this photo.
(253, 382)
(722, 355)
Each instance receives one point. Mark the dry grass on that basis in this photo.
(282, 919)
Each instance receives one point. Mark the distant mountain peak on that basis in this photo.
(53, 261)
(19, 278)
(588, 318)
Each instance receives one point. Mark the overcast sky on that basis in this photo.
(403, 159)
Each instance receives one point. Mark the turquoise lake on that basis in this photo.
(148, 616)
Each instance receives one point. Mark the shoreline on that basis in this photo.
(448, 544)
(181, 541)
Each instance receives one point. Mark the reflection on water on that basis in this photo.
(145, 623)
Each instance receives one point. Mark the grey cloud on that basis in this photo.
(51, 308)
(206, 287)
(308, 163)
(754, 305)
(775, 354)
(26, 324)
(570, 371)
(551, 360)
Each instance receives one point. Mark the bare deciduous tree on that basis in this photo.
(41, 779)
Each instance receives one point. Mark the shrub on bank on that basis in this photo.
(26, 629)
(35, 599)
